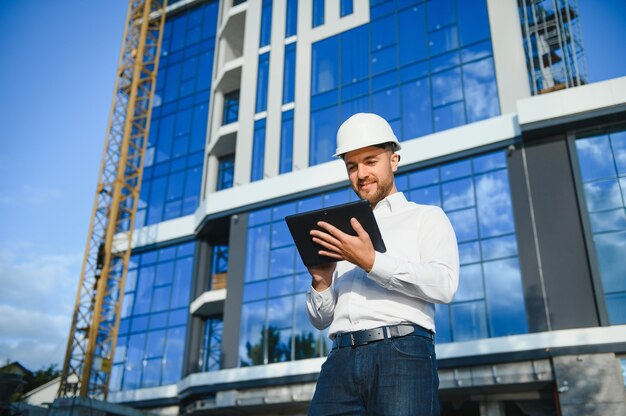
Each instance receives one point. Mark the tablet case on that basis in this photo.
(301, 224)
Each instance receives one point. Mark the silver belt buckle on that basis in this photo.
(352, 339)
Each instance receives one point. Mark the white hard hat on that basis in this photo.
(363, 130)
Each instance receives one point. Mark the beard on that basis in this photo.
(383, 189)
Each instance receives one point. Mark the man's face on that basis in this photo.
(370, 171)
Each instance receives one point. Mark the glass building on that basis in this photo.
(527, 159)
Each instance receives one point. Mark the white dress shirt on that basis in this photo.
(419, 268)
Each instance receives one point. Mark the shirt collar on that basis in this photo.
(391, 203)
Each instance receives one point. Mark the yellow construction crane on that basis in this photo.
(95, 321)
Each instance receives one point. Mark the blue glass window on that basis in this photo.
(174, 153)
(226, 171)
(231, 107)
(262, 80)
(473, 21)
(325, 71)
(212, 345)
(425, 66)
(475, 194)
(258, 150)
(159, 283)
(346, 7)
(291, 25)
(324, 124)
(602, 160)
(318, 13)
(289, 73)
(412, 35)
(266, 23)
(219, 264)
(274, 289)
(286, 143)
(354, 61)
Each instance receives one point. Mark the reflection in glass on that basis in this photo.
(469, 252)
(252, 333)
(611, 248)
(212, 344)
(592, 158)
(479, 86)
(602, 162)
(493, 201)
(425, 66)
(601, 195)
(499, 247)
(458, 194)
(485, 231)
(469, 321)
(154, 326)
(257, 253)
(471, 285)
(505, 297)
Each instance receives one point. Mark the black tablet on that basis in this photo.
(300, 226)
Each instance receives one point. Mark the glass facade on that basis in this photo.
(226, 172)
(291, 24)
(175, 150)
(602, 160)
(212, 344)
(266, 23)
(155, 309)
(286, 143)
(423, 66)
(262, 81)
(475, 194)
(231, 108)
(220, 260)
(318, 13)
(346, 7)
(555, 56)
(289, 73)
(258, 150)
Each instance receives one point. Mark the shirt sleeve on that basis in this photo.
(436, 277)
(320, 307)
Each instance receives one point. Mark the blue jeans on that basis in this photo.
(392, 377)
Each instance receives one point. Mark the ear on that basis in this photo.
(395, 159)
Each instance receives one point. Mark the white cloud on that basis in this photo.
(36, 302)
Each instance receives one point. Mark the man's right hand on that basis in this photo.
(322, 276)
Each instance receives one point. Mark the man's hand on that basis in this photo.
(358, 249)
(322, 276)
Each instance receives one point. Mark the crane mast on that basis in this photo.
(96, 316)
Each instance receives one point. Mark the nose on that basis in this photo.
(362, 171)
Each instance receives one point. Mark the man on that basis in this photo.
(380, 306)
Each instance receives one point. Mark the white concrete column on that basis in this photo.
(508, 53)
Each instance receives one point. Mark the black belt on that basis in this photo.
(358, 338)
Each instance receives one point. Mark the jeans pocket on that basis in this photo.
(413, 347)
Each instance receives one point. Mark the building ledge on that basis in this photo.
(229, 78)
(531, 342)
(168, 393)
(572, 104)
(233, 19)
(209, 303)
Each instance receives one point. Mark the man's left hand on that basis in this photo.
(358, 249)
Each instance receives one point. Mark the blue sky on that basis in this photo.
(57, 77)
